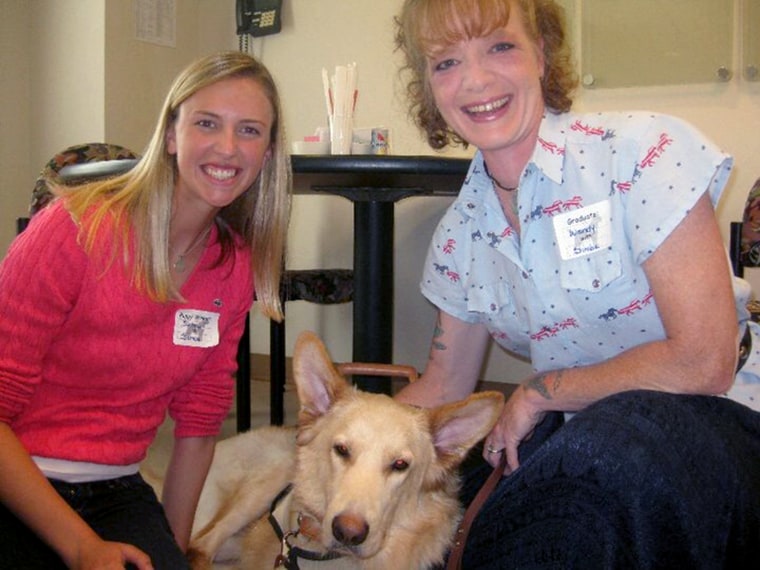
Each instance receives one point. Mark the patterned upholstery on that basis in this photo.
(750, 239)
(78, 154)
(744, 246)
(322, 286)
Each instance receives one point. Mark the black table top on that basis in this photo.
(378, 177)
(393, 176)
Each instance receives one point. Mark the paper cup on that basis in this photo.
(341, 134)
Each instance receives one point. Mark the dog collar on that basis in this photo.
(279, 518)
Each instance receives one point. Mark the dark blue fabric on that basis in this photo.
(638, 480)
(121, 510)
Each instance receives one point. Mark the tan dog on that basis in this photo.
(374, 483)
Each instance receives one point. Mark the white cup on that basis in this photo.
(341, 134)
(361, 147)
(311, 147)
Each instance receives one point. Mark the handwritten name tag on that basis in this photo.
(583, 231)
(196, 328)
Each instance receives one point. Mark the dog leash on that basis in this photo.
(460, 538)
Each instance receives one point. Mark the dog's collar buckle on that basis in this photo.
(283, 558)
(290, 553)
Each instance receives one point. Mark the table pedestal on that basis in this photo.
(373, 307)
(374, 184)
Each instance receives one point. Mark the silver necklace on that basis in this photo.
(179, 263)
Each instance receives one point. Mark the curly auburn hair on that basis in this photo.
(426, 26)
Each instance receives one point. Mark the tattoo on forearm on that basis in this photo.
(557, 380)
(437, 333)
(539, 384)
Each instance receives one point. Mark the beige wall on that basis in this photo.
(60, 64)
(138, 74)
(15, 94)
(78, 74)
(74, 72)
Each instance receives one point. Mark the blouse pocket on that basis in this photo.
(592, 273)
(490, 299)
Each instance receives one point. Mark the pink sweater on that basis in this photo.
(89, 367)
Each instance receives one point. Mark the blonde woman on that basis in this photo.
(126, 299)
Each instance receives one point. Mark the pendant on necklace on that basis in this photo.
(179, 265)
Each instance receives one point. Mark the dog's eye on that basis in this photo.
(341, 450)
(400, 465)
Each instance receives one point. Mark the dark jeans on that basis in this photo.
(120, 510)
(638, 480)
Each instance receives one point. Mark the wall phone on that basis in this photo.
(258, 17)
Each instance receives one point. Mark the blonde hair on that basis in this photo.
(140, 201)
(425, 26)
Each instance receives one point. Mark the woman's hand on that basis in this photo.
(102, 555)
(51, 518)
(517, 421)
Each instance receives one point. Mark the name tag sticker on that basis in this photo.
(196, 328)
(583, 231)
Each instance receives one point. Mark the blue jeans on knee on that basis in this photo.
(638, 480)
(119, 510)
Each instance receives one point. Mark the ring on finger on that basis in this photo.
(492, 449)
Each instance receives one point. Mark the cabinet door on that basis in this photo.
(751, 40)
(656, 42)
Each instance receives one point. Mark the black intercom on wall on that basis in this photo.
(258, 17)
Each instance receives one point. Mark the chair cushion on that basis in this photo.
(322, 286)
(750, 242)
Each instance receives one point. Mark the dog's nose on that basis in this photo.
(350, 529)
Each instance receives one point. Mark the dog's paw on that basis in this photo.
(198, 560)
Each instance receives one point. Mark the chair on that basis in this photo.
(77, 154)
(320, 286)
(51, 172)
(744, 245)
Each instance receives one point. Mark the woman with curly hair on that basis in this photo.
(588, 244)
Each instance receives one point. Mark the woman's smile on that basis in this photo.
(487, 110)
(220, 174)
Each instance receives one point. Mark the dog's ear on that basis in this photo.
(458, 426)
(317, 381)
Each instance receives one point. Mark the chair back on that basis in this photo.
(750, 238)
(73, 155)
(745, 235)
(77, 154)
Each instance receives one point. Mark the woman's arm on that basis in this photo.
(456, 357)
(188, 467)
(691, 283)
(26, 492)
